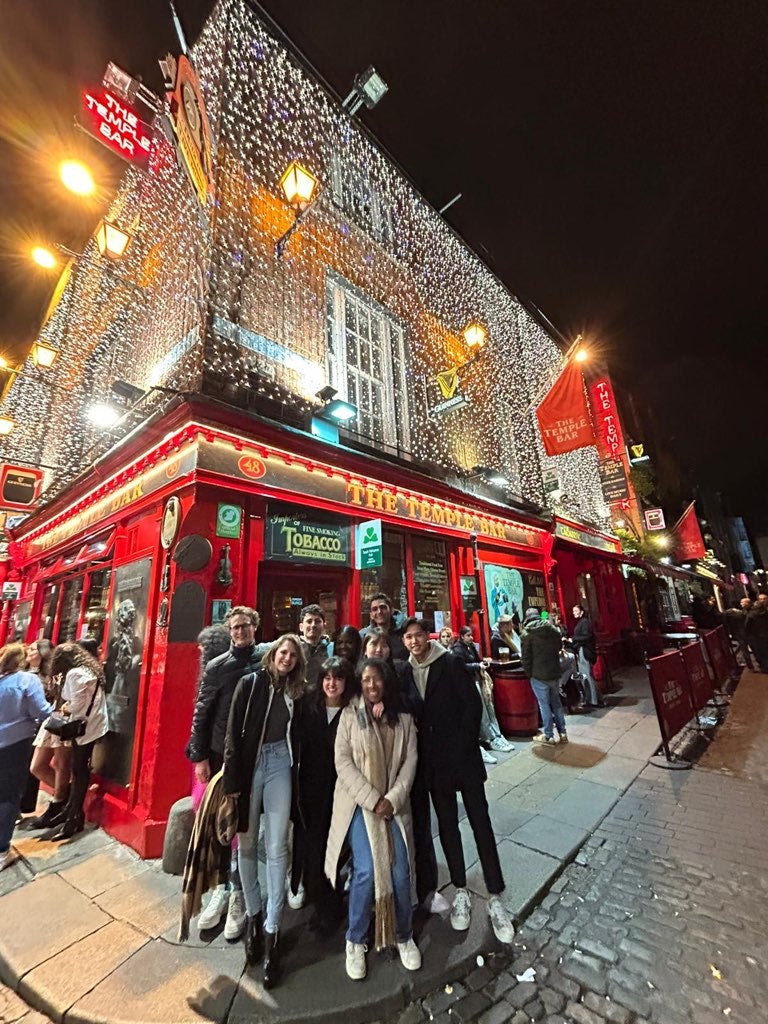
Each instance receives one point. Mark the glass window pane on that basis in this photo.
(388, 578)
(430, 581)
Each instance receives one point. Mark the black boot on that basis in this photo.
(52, 815)
(271, 959)
(70, 828)
(254, 943)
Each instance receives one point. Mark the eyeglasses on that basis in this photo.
(241, 625)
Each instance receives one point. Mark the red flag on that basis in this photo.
(689, 543)
(563, 415)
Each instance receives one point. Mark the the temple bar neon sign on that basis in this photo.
(608, 427)
(117, 126)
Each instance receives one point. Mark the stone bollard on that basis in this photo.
(178, 831)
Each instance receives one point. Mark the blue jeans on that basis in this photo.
(14, 770)
(548, 696)
(270, 792)
(590, 686)
(361, 889)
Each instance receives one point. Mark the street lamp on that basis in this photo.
(44, 356)
(368, 88)
(44, 257)
(102, 414)
(300, 190)
(475, 335)
(111, 240)
(6, 425)
(335, 410)
(77, 178)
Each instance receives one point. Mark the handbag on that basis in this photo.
(70, 728)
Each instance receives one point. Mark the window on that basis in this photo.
(389, 578)
(353, 191)
(431, 594)
(368, 361)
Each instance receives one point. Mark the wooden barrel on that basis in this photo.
(516, 706)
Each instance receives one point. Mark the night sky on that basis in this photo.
(613, 160)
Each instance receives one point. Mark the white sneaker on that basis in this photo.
(501, 920)
(460, 910)
(296, 899)
(502, 743)
(487, 756)
(356, 968)
(436, 903)
(235, 923)
(410, 955)
(218, 905)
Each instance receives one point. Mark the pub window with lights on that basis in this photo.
(368, 360)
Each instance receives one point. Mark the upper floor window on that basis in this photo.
(368, 363)
(354, 192)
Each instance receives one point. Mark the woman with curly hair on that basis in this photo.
(261, 760)
(51, 758)
(83, 696)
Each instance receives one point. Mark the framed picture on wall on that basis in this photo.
(219, 611)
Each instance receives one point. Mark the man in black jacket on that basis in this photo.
(206, 746)
(381, 618)
(756, 630)
(541, 663)
(585, 648)
(448, 707)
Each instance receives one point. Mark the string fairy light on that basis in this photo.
(220, 309)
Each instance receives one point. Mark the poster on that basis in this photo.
(295, 538)
(125, 649)
(512, 592)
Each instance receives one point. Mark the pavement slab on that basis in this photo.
(57, 984)
(163, 984)
(549, 836)
(105, 870)
(39, 921)
(42, 856)
(149, 900)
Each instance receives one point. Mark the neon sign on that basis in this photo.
(610, 440)
(117, 126)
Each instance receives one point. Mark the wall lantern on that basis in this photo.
(111, 240)
(475, 335)
(298, 185)
(43, 356)
(6, 425)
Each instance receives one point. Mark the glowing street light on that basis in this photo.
(6, 425)
(581, 355)
(103, 415)
(475, 335)
(44, 356)
(77, 178)
(44, 257)
(111, 240)
(298, 185)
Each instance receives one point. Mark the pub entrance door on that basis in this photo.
(285, 589)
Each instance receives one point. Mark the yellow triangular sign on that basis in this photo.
(448, 381)
(637, 450)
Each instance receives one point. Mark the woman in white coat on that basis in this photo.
(83, 696)
(375, 764)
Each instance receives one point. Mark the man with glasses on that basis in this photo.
(206, 747)
(381, 618)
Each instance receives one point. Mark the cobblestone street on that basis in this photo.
(661, 917)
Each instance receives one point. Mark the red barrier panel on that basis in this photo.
(717, 659)
(671, 694)
(702, 690)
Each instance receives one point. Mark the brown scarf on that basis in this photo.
(376, 771)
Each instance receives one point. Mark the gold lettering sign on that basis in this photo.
(448, 381)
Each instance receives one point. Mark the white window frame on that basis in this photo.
(395, 410)
(354, 192)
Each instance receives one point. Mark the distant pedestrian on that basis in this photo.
(446, 637)
(490, 730)
(22, 707)
(756, 630)
(541, 663)
(375, 765)
(585, 648)
(735, 621)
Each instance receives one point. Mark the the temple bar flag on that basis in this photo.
(563, 415)
(689, 543)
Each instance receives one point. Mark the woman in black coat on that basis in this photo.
(317, 781)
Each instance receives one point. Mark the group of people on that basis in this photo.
(350, 744)
(42, 688)
(747, 626)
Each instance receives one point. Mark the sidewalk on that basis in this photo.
(93, 928)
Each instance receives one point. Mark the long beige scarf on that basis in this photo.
(379, 832)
